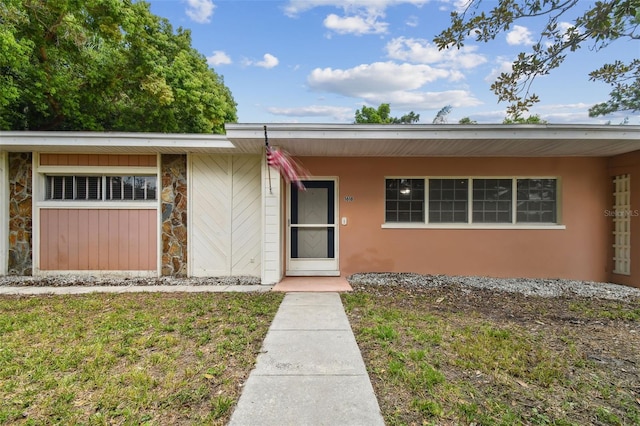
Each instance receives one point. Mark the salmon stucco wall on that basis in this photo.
(577, 252)
(621, 165)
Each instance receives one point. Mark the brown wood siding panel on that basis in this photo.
(108, 240)
(83, 240)
(143, 229)
(98, 160)
(93, 243)
(124, 229)
(134, 242)
(45, 224)
(103, 239)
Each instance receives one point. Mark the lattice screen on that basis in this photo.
(622, 225)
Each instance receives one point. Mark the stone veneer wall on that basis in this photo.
(20, 260)
(174, 215)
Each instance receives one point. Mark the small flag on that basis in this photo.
(287, 166)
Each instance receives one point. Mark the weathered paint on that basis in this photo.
(98, 239)
(580, 251)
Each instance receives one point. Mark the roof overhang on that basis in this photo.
(113, 143)
(416, 140)
(349, 140)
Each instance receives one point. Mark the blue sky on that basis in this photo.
(312, 61)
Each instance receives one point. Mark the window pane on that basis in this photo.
(81, 187)
(492, 200)
(448, 200)
(151, 187)
(68, 188)
(88, 187)
(537, 201)
(55, 184)
(115, 188)
(127, 186)
(404, 200)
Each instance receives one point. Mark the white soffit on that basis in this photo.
(494, 140)
(113, 143)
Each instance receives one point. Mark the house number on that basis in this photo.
(348, 198)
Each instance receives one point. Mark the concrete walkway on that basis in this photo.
(310, 371)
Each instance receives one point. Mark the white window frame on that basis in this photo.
(43, 171)
(469, 224)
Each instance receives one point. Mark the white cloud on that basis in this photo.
(268, 61)
(200, 11)
(569, 113)
(296, 7)
(412, 21)
(358, 25)
(389, 82)
(334, 112)
(519, 36)
(359, 16)
(422, 51)
(218, 58)
(417, 101)
(376, 77)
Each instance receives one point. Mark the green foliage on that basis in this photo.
(532, 119)
(467, 120)
(603, 23)
(381, 115)
(104, 65)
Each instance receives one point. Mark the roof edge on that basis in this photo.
(429, 131)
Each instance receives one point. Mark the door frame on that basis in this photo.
(313, 267)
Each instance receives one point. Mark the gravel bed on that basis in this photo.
(67, 281)
(526, 286)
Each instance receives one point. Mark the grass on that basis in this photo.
(448, 357)
(128, 359)
(435, 356)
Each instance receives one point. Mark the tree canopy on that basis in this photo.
(382, 115)
(604, 22)
(106, 65)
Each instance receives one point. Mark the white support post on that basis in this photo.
(4, 213)
(271, 225)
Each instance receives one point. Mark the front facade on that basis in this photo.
(502, 201)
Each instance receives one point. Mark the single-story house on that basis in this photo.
(536, 201)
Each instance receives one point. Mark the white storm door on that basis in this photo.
(313, 233)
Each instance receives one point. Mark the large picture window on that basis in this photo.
(101, 188)
(502, 200)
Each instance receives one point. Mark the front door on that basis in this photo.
(313, 234)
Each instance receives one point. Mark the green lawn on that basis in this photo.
(146, 358)
(452, 357)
